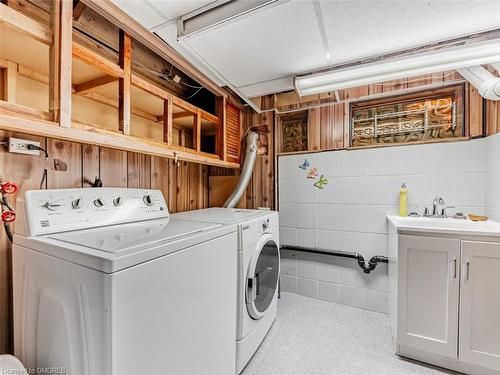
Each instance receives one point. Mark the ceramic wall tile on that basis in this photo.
(288, 166)
(329, 292)
(329, 164)
(306, 192)
(288, 236)
(328, 217)
(349, 214)
(288, 190)
(329, 239)
(288, 214)
(308, 288)
(289, 284)
(306, 215)
(306, 237)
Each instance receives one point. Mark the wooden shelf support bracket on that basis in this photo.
(60, 90)
(167, 121)
(124, 86)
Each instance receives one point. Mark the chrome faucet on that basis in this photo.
(436, 212)
(438, 201)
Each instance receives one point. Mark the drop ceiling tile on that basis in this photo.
(272, 43)
(168, 33)
(355, 32)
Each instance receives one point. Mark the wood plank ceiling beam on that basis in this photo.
(19, 22)
(78, 9)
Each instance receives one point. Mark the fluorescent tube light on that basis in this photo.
(447, 58)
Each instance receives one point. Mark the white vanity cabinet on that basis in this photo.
(444, 301)
(428, 294)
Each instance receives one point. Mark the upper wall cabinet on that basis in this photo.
(89, 73)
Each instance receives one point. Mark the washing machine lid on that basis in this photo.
(116, 247)
(122, 238)
(221, 215)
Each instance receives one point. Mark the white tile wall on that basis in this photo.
(349, 213)
(493, 176)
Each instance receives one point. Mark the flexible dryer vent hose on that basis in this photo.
(246, 171)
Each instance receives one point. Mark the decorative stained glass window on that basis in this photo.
(424, 116)
(294, 134)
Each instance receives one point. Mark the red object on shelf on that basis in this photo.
(8, 188)
(8, 216)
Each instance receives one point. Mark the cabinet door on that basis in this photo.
(480, 304)
(428, 294)
(233, 133)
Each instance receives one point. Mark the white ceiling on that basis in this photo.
(260, 52)
(153, 13)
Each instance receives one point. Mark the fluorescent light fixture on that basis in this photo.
(447, 58)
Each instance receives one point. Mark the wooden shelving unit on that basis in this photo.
(66, 52)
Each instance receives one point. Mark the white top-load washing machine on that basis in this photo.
(107, 283)
(258, 272)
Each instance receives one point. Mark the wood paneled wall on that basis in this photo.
(185, 187)
(329, 124)
(492, 117)
(260, 191)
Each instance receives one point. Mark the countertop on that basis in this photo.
(445, 226)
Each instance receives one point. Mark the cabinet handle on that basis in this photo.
(467, 265)
(455, 268)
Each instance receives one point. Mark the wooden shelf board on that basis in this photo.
(90, 135)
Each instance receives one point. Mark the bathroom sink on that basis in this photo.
(440, 225)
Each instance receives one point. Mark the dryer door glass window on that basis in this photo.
(263, 281)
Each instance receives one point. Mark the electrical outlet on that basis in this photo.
(176, 79)
(20, 146)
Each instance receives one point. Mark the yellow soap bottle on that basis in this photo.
(403, 201)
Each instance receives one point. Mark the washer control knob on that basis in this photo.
(148, 201)
(118, 201)
(99, 203)
(77, 203)
(51, 206)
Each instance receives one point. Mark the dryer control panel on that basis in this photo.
(61, 210)
(253, 229)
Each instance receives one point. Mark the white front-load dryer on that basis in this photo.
(259, 260)
(258, 272)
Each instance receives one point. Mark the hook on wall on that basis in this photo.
(176, 161)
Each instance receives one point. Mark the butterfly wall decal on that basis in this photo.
(304, 165)
(313, 173)
(321, 183)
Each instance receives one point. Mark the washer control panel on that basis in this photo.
(60, 210)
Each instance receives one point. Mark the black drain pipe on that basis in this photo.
(367, 267)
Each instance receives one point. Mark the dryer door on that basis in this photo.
(262, 276)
